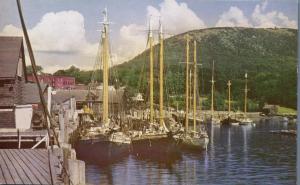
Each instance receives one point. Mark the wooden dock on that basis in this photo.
(29, 166)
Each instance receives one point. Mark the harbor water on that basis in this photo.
(235, 155)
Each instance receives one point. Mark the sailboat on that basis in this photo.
(229, 120)
(192, 139)
(155, 141)
(213, 119)
(246, 120)
(104, 143)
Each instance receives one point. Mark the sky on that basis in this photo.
(67, 32)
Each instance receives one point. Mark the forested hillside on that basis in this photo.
(269, 56)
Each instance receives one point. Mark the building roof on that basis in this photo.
(63, 95)
(10, 48)
(31, 93)
(81, 95)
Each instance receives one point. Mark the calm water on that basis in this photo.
(236, 155)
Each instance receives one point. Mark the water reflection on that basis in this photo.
(236, 155)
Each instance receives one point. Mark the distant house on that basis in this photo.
(17, 97)
(57, 82)
(270, 109)
(92, 98)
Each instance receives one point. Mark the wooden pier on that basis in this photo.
(28, 166)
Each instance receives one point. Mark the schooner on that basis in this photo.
(155, 141)
(105, 142)
(192, 139)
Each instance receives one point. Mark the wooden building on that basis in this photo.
(17, 97)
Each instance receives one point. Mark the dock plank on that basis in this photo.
(25, 179)
(52, 169)
(37, 155)
(28, 166)
(4, 170)
(11, 168)
(41, 154)
(34, 173)
(2, 180)
(40, 163)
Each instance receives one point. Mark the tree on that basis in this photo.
(39, 69)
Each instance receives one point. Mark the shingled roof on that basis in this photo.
(10, 48)
(81, 95)
(31, 93)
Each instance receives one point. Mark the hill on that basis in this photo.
(269, 56)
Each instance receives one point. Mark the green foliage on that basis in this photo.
(81, 76)
(286, 111)
(29, 70)
(267, 55)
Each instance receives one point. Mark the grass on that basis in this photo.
(286, 111)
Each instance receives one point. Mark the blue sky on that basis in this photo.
(64, 32)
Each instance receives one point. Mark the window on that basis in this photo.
(20, 68)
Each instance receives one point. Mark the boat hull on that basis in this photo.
(101, 151)
(230, 121)
(197, 144)
(157, 148)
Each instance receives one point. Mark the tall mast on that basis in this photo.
(199, 90)
(105, 62)
(190, 91)
(187, 84)
(151, 71)
(246, 93)
(229, 97)
(161, 76)
(212, 89)
(195, 84)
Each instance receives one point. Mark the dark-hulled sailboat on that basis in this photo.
(229, 120)
(104, 143)
(155, 141)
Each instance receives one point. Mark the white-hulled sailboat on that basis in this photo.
(213, 119)
(245, 120)
(155, 141)
(195, 138)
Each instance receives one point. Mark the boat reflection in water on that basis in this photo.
(235, 155)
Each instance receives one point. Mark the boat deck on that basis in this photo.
(27, 166)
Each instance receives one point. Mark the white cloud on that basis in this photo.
(263, 19)
(233, 17)
(176, 18)
(132, 41)
(62, 32)
(259, 18)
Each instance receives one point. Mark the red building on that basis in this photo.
(57, 82)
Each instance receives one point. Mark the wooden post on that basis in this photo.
(66, 156)
(19, 139)
(61, 121)
(49, 103)
(77, 171)
(66, 126)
